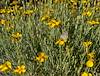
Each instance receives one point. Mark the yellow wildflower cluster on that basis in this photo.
(41, 57)
(88, 13)
(20, 69)
(89, 8)
(84, 1)
(9, 10)
(92, 22)
(6, 66)
(2, 11)
(54, 23)
(90, 61)
(89, 64)
(60, 42)
(2, 21)
(86, 74)
(28, 12)
(15, 37)
(47, 18)
(15, 9)
(91, 55)
(87, 44)
(7, 24)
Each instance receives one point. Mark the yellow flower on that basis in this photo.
(92, 22)
(41, 57)
(28, 12)
(20, 69)
(10, 11)
(8, 64)
(88, 13)
(54, 23)
(7, 25)
(84, 1)
(91, 55)
(2, 21)
(86, 74)
(90, 74)
(2, 11)
(60, 42)
(5, 66)
(87, 44)
(16, 36)
(89, 63)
